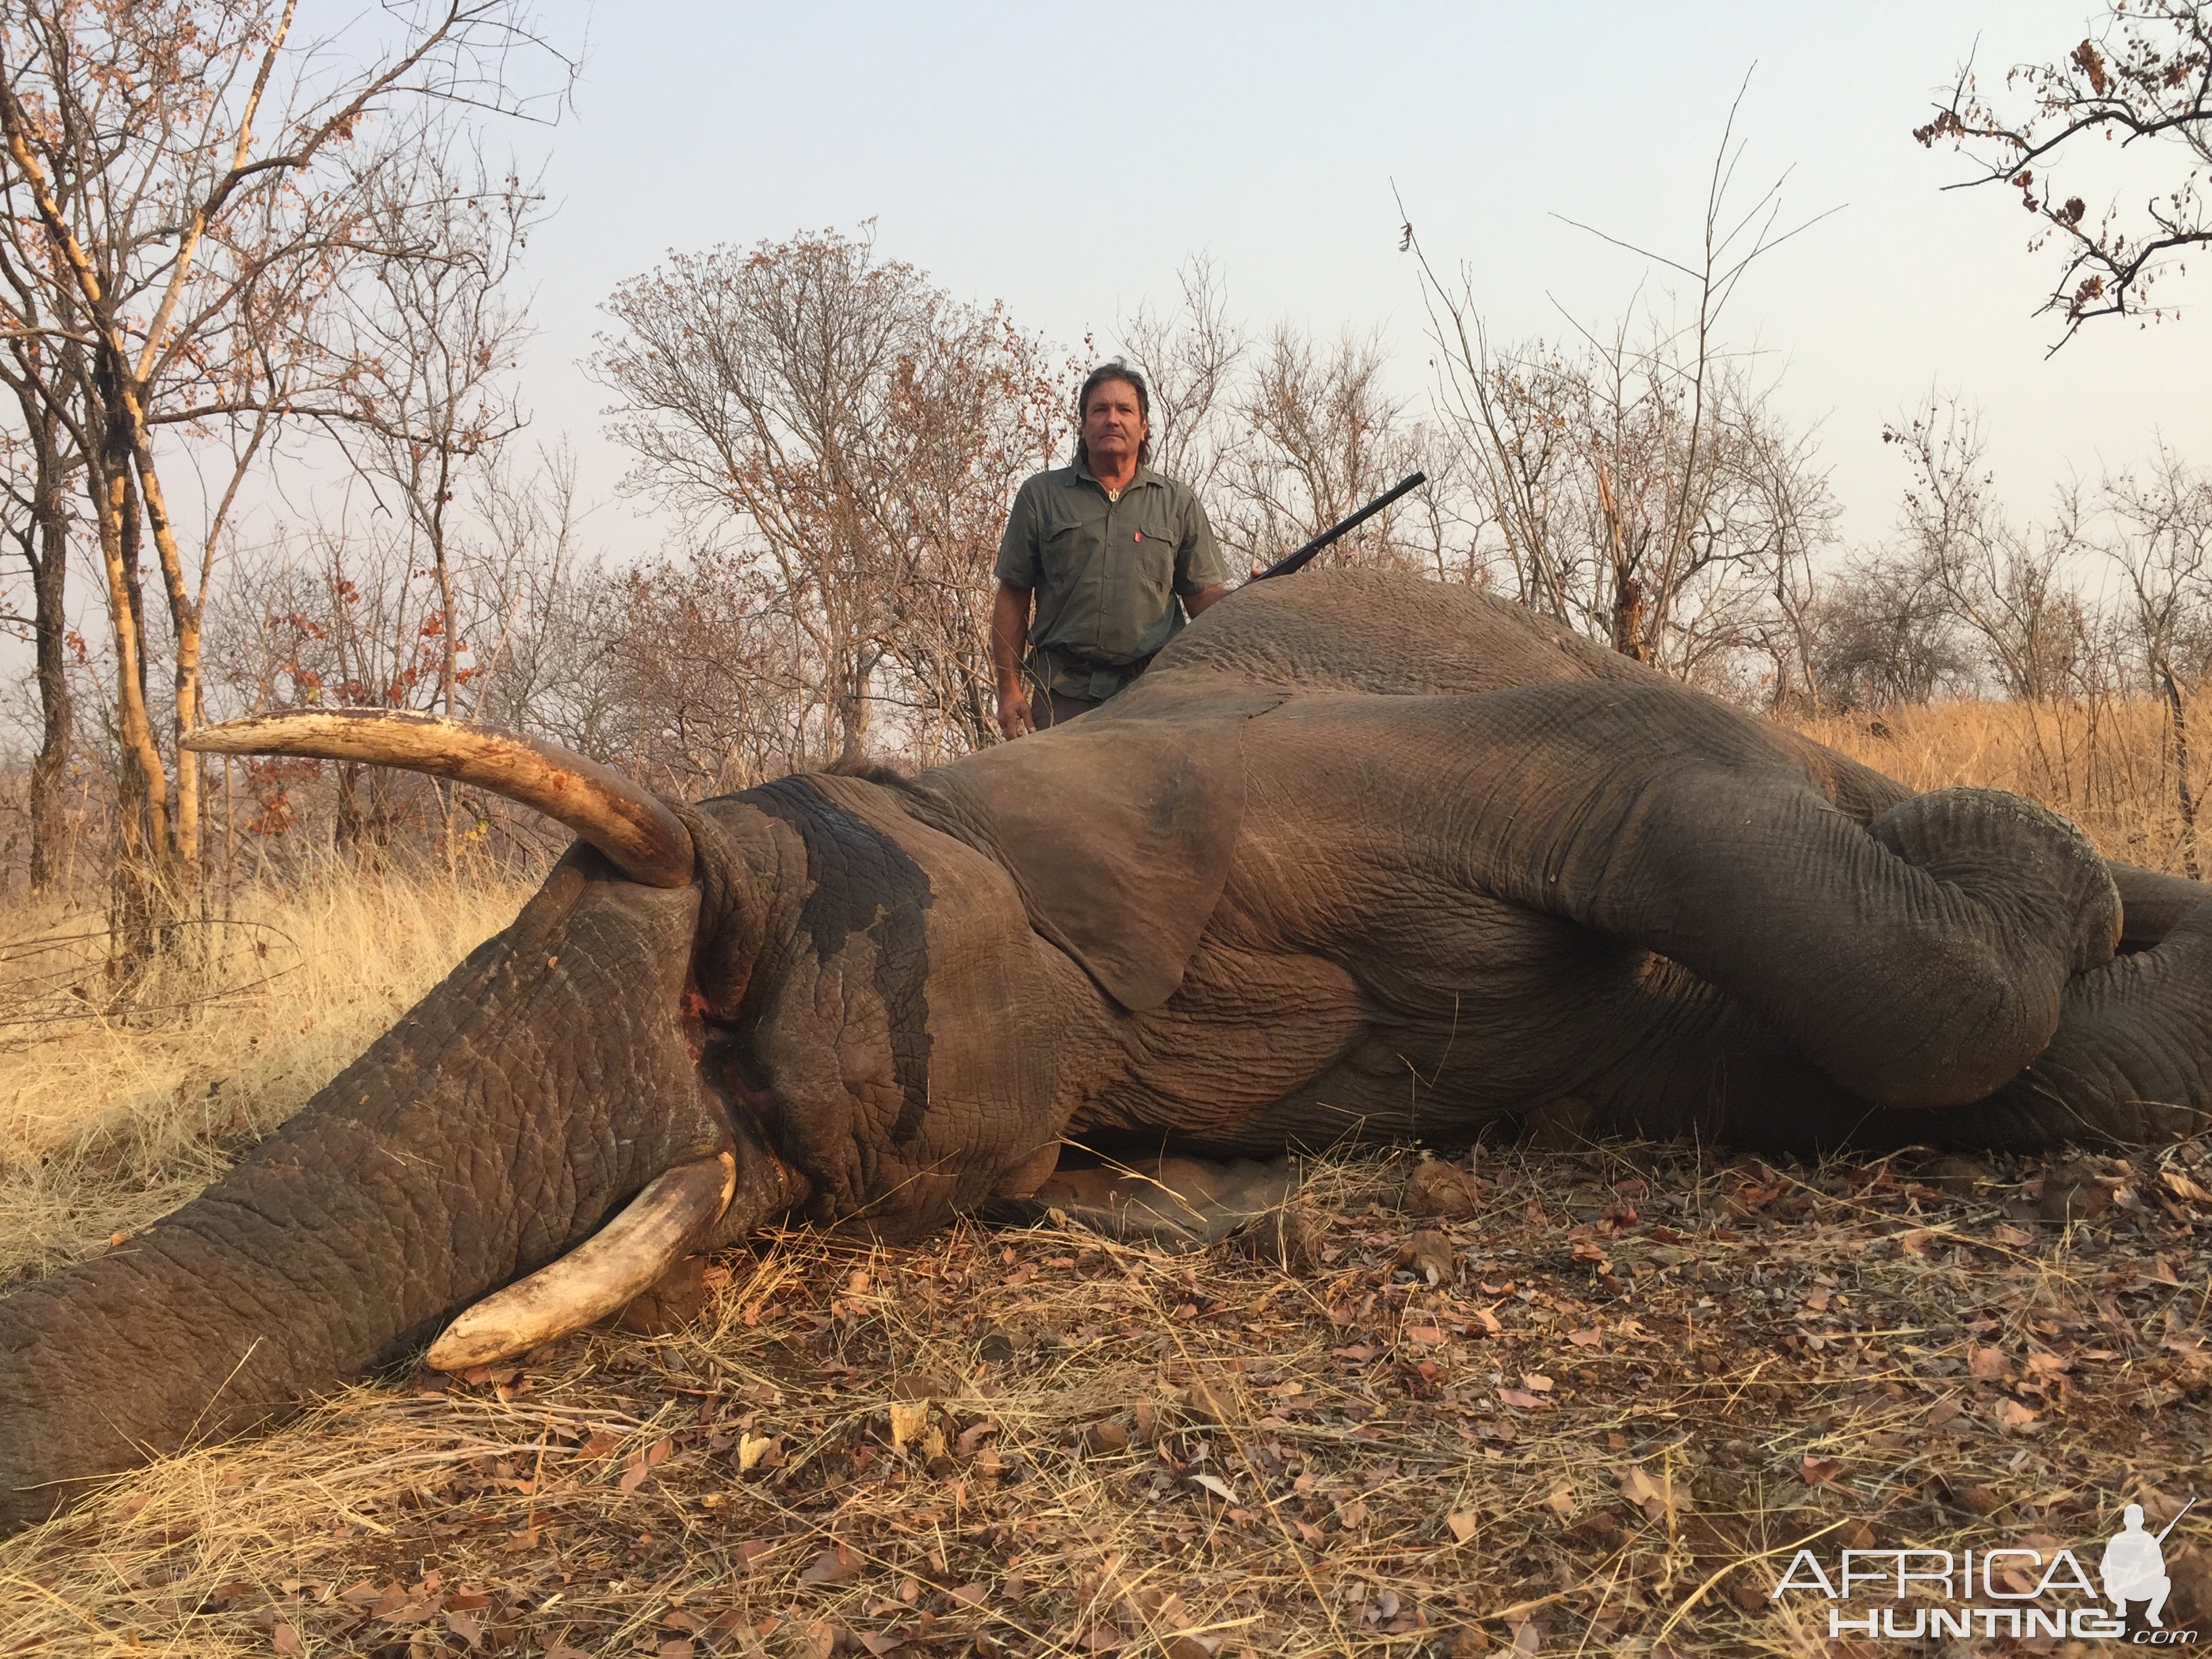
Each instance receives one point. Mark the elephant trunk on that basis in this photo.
(542, 1084)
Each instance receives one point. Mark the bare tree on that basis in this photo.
(2011, 586)
(2147, 75)
(1190, 358)
(1878, 633)
(857, 433)
(2162, 543)
(1643, 485)
(181, 172)
(434, 332)
(41, 368)
(1319, 436)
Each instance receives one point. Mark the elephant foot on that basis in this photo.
(1180, 1203)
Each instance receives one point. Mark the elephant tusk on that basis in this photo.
(652, 1233)
(638, 834)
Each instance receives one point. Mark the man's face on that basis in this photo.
(1113, 426)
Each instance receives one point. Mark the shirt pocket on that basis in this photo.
(1149, 545)
(1065, 546)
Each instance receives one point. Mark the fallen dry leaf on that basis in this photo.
(1463, 1524)
(2182, 1186)
(1819, 1471)
(1987, 1365)
(834, 1565)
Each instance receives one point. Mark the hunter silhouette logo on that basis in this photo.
(2134, 1568)
(2021, 1593)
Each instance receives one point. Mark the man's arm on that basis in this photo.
(1202, 579)
(1194, 603)
(1010, 629)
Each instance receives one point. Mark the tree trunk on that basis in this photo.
(2183, 799)
(1627, 620)
(48, 582)
(185, 620)
(138, 878)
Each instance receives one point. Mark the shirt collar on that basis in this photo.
(1143, 476)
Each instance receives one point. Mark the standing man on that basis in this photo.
(1100, 563)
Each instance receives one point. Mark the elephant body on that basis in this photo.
(1361, 857)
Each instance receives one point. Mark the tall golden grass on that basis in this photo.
(114, 1111)
(2107, 765)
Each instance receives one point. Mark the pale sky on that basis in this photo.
(1068, 160)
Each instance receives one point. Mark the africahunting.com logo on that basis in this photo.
(2015, 1592)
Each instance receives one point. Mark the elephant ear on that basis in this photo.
(1117, 832)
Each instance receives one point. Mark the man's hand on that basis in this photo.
(1010, 626)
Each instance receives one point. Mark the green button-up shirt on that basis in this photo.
(1107, 572)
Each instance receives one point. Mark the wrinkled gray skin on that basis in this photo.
(1361, 856)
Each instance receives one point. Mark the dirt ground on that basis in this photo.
(1571, 1402)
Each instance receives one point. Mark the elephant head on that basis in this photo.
(843, 998)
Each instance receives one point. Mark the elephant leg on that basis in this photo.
(2151, 903)
(1178, 1202)
(1919, 962)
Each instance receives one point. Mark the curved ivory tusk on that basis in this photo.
(622, 1259)
(639, 835)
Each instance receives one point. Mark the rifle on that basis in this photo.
(1304, 556)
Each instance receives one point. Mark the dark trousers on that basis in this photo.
(1050, 708)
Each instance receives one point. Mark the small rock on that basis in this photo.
(1440, 1189)
(1430, 1254)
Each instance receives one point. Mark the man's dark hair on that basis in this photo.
(1116, 370)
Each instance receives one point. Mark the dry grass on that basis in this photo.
(2108, 766)
(1693, 1367)
(111, 1116)
(1647, 1372)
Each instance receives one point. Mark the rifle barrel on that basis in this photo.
(1304, 556)
(2176, 1522)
